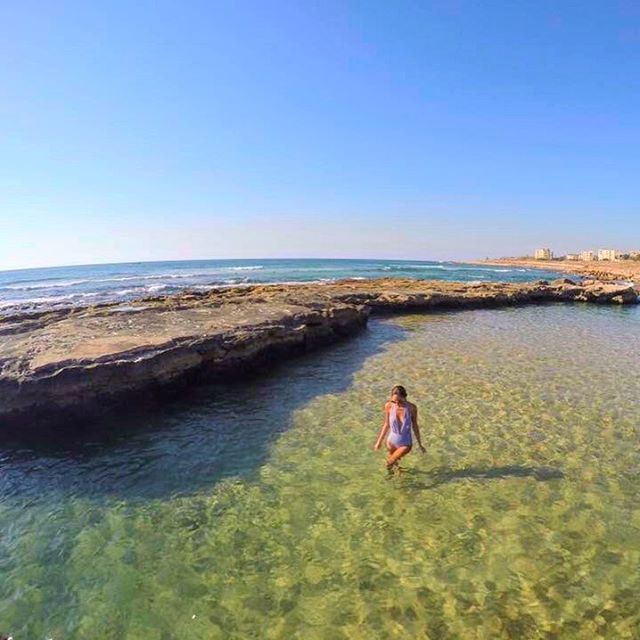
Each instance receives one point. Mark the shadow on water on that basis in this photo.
(213, 432)
(444, 475)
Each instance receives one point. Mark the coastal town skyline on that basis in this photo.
(588, 255)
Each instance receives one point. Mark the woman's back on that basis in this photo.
(400, 421)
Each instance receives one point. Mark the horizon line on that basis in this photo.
(104, 264)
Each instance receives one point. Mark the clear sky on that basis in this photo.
(449, 129)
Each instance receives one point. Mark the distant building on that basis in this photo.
(572, 256)
(587, 256)
(609, 254)
(634, 255)
(543, 254)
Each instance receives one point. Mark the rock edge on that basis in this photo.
(68, 366)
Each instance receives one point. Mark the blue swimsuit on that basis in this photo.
(400, 432)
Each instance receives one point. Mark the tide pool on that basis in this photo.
(260, 510)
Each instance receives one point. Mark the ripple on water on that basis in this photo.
(521, 521)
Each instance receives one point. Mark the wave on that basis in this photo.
(178, 276)
(126, 292)
(36, 285)
(152, 288)
(108, 295)
(422, 267)
(204, 287)
(47, 300)
(175, 275)
(124, 285)
(251, 268)
(448, 267)
(155, 276)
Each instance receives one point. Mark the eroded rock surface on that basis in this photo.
(66, 365)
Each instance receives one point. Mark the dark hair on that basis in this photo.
(400, 389)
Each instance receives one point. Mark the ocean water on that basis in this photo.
(38, 289)
(259, 509)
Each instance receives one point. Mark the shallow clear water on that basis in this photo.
(38, 289)
(259, 510)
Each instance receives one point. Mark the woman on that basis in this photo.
(400, 416)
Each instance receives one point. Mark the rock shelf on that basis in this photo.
(68, 366)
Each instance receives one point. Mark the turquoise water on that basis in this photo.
(36, 289)
(260, 510)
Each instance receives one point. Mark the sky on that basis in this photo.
(446, 129)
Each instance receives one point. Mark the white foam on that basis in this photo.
(204, 287)
(251, 268)
(35, 301)
(42, 285)
(51, 301)
(178, 275)
(442, 267)
(126, 292)
(129, 307)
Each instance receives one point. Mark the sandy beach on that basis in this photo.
(627, 270)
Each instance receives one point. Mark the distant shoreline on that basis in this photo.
(602, 270)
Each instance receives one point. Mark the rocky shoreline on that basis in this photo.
(73, 365)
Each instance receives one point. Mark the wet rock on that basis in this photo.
(67, 365)
(604, 293)
(547, 473)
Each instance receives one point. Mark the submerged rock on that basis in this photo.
(547, 473)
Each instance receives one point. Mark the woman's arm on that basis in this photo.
(384, 428)
(416, 428)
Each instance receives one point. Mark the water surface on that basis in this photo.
(39, 289)
(259, 510)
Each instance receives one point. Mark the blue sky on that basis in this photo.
(447, 129)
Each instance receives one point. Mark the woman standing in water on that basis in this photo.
(400, 416)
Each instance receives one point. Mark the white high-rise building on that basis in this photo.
(587, 256)
(609, 254)
(543, 254)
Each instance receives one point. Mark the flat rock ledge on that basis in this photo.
(68, 366)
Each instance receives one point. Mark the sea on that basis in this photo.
(28, 290)
(260, 509)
